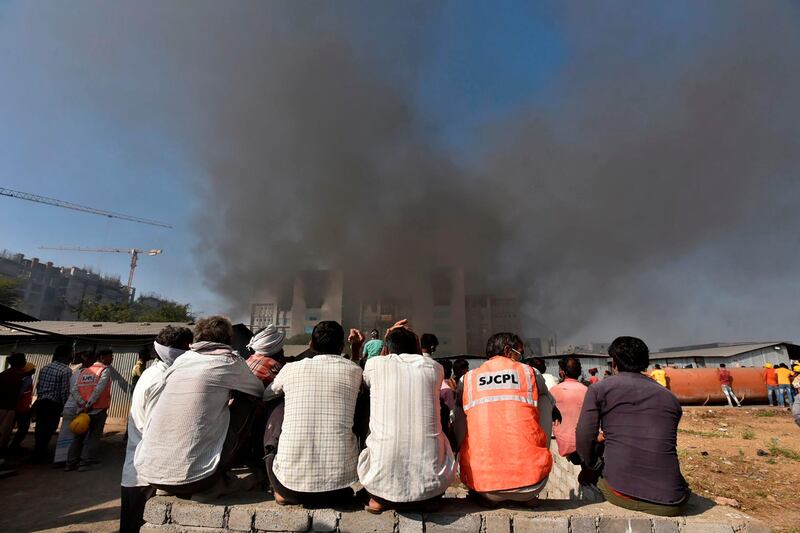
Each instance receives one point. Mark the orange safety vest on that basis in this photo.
(87, 382)
(505, 448)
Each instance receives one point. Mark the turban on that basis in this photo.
(268, 341)
(167, 353)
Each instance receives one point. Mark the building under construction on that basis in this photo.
(446, 302)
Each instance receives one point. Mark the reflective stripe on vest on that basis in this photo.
(497, 380)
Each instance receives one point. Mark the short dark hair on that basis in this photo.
(88, 357)
(658, 367)
(214, 328)
(497, 343)
(328, 337)
(571, 367)
(63, 353)
(401, 340)
(722, 365)
(593, 371)
(538, 363)
(16, 360)
(175, 337)
(460, 367)
(630, 354)
(375, 333)
(428, 340)
(783, 365)
(447, 364)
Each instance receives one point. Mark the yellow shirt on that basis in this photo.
(784, 376)
(660, 376)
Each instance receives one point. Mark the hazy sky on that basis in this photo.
(629, 167)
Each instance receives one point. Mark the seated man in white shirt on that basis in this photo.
(317, 447)
(171, 343)
(191, 438)
(408, 461)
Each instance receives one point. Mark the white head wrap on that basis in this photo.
(268, 341)
(167, 354)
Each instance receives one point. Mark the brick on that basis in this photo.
(624, 525)
(190, 529)
(156, 511)
(187, 513)
(324, 520)
(409, 523)
(665, 525)
(497, 523)
(150, 528)
(363, 522)
(756, 526)
(540, 524)
(583, 524)
(240, 518)
(706, 527)
(443, 523)
(282, 519)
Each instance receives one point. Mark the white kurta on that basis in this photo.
(408, 457)
(183, 437)
(145, 396)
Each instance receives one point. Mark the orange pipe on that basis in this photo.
(701, 385)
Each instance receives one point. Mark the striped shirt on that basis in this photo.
(408, 457)
(317, 450)
(53, 382)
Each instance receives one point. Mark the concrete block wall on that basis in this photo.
(563, 482)
(170, 515)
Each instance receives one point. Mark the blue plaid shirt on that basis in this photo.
(53, 382)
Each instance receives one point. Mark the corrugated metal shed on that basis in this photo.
(85, 329)
(722, 350)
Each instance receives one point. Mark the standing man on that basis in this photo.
(52, 392)
(22, 410)
(10, 387)
(784, 377)
(407, 459)
(569, 395)
(639, 468)
(725, 381)
(318, 442)
(772, 384)
(660, 376)
(460, 367)
(593, 376)
(140, 366)
(373, 346)
(91, 394)
(428, 342)
(503, 449)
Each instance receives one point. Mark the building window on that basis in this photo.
(309, 329)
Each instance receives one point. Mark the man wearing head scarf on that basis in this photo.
(267, 358)
(170, 344)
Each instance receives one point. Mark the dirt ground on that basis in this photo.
(751, 455)
(39, 498)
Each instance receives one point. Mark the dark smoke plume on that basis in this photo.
(650, 190)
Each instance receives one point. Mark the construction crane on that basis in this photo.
(69, 205)
(134, 253)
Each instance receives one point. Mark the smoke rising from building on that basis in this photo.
(648, 189)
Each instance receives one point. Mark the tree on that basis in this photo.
(135, 312)
(9, 291)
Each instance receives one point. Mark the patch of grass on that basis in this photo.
(704, 433)
(765, 414)
(775, 449)
(741, 452)
(771, 461)
(748, 434)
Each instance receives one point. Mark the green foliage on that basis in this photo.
(135, 312)
(748, 434)
(300, 338)
(774, 449)
(9, 291)
(704, 433)
(765, 414)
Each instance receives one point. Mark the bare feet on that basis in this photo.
(374, 506)
(280, 500)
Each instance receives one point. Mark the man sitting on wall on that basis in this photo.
(192, 437)
(404, 389)
(639, 468)
(315, 433)
(503, 450)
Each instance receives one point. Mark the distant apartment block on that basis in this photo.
(51, 292)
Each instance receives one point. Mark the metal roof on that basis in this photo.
(716, 351)
(85, 329)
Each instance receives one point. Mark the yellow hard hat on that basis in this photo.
(80, 424)
(767, 365)
(796, 368)
(29, 367)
